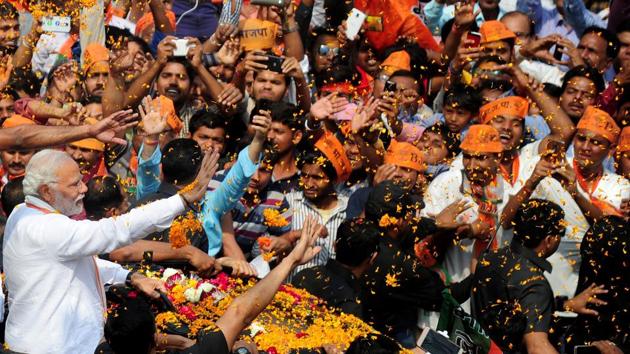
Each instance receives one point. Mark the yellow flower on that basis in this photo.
(273, 218)
(182, 225)
(391, 280)
(387, 220)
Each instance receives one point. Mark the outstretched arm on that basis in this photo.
(244, 309)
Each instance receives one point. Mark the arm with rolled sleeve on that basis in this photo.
(576, 14)
(110, 272)
(148, 175)
(68, 239)
(222, 199)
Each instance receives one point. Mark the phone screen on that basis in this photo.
(585, 349)
(475, 37)
(436, 343)
(274, 63)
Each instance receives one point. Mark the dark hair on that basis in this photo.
(419, 61)
(465, 97)
(357, 240)
(130, 327)
(25, 80)
(103, 193)
(181, 160)
(316, 157)
(448, 26)
(190, 71)
(337, 74)
(587, 72)
(287, 114)
(612, 42)
(206, 118)
(12, 195)
(536, 219)
(373, 344)
(451, 140)
(409, 74)
(8, 11)
(144, 46)
(623, 27)
(552, 90)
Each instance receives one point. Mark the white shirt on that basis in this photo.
(566, 261)
(55, 295)
(444, 190)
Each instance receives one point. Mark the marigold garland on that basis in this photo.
(273, 218)
(294, 319)
(182, 225)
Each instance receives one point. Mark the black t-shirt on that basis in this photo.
(213, 342)
(511, 296)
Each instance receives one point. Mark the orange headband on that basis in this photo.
(404, 155)
(166, 107)
(482, 138)
(512, 106)
(17, 120)
(599, 122)
(333, 150)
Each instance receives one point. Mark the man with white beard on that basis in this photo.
(54, 279)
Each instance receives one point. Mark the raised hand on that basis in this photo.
(197, 189)
(107, 128)
(261, 124)
(447, 218)
(195, 52)
(166, 49)
(153, 122)
(327, 106)
(230, 52)
(230, 96)
(539, 49)
(6, 68)
(465, 15)
(305, 250)
(579, 303)
(254, 61)
(291, 67)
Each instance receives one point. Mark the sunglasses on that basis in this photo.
(324, 50)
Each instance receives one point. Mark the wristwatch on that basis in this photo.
(128, 279)
(242, 350)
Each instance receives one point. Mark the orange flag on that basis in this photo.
(390, 19)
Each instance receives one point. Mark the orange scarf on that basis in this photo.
(506, 174)
(590, 188)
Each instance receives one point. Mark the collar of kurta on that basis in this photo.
(39, 204)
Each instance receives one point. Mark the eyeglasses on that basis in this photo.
(325, 50)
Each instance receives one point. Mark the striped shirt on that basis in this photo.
(302, 208)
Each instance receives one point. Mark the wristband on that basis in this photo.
(128, 279)
(210, 59)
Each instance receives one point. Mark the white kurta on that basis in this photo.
(55, 294)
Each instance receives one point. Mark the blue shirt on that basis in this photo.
(436, 15)
(216, 202)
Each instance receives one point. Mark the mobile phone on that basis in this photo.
(181, 47)
(433, 342)
(557, 54)
(274, 63)
(354, 23)
(59, 24)
(279, 3)
(475, 37)
(585, 349)
(390, 86)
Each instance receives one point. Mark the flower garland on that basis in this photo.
(182, 225)
(273, 218)
(294, 319)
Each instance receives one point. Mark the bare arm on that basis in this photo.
(159, 15)
(230, 247)
(538, 343)
(24, 53)
(292, 40)
(37, 136)
(244, 309)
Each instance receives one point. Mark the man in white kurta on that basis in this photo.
(54, 280)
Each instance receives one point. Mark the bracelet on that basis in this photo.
(210, 59)
(286, 28)
(128, 279)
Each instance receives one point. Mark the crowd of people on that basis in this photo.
(381, 154)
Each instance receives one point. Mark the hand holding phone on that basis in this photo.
(354, 23)
(274, 63)
(474, 37)
(557, 54)
(181, 47)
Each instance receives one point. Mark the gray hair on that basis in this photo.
(42, 169)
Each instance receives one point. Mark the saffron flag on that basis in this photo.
(387, 20)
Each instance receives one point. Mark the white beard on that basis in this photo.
(67, 206)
